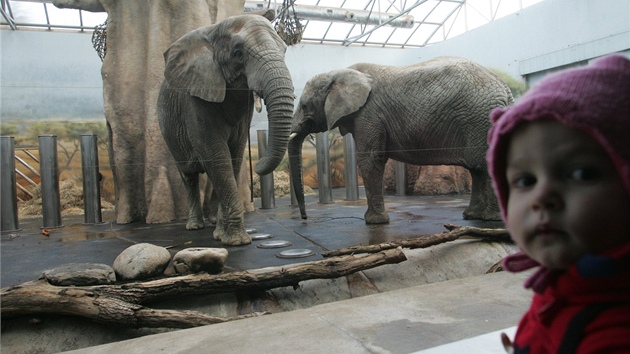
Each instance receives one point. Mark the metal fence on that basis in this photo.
(12, 179)
(46, 172)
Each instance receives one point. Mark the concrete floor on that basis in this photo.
(438, 296)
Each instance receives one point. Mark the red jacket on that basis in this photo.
(603, 281)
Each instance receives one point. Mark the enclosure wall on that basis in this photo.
(56, 75)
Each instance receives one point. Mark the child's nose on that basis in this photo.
(547, 197)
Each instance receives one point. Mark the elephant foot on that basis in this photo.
(194, 224)
(372, 217)
(234, 237)
(212, 219)
(218, 233)
(236, 240)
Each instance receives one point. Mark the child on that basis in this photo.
(560, 164)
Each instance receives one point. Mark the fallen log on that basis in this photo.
(425, 241)
(122, 304)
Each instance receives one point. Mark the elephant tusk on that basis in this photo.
(257, 102)
(293, 135)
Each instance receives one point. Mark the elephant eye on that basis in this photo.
(238, 54)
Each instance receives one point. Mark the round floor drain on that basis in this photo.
(250, 231)
(274, 244)
(256, 237)
(295, 253)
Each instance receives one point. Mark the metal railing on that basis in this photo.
(24, 176)
(48, 175)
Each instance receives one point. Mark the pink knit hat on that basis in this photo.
(593, 98)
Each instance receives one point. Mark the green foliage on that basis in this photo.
(8, 129)
(517, 86)
(67, 131)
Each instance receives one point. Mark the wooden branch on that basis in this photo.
(121, 304)
(425, 241)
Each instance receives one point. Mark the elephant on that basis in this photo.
(205, 108)
(431, 113)
(147, 188)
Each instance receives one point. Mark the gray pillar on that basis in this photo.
(401, 177)
(49, 172)
(8, 194)
(324, 178)
(267, 197)
(91, 179)
(350, 173)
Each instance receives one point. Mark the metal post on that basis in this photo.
(8, 194)
(324, 178)
(91, 179)
(49, 172)
(401, 177)
(267, 197)
(350, 174)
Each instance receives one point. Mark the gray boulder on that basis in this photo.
(141, 261)
(194, 260)
(80, 274)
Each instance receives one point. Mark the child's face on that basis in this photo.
(565, 196)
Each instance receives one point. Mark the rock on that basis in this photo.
(141, 261)
(80, 274)
(194, 260)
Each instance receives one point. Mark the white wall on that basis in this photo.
(56, 74)
(549, 34)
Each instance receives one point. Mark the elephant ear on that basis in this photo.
(190, 66)
(348, 91)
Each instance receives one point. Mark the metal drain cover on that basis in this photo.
(256, 237)
(295, 253)
(250, 231)
(274, 244)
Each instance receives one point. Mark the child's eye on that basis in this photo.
(523, 181)
(584, 174)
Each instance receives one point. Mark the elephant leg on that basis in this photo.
(195, 215)
(219, 230)
(210, 203)
(211, 207)
(372, 166)
(483, 204)
(230, 228)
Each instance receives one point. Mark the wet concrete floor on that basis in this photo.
(27, 252)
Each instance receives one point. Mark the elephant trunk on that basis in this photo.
(295, 166)
(277, 91)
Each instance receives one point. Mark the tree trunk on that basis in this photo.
(425, 241)
(122, 304)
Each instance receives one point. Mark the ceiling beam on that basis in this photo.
(335, 14)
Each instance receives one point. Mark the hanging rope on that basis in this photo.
(99, 39)
(288, 25)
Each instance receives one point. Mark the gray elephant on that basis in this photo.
(432, 113)
(205, 108)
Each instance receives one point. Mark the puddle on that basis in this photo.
(451, 201)
(80, 233)
(87, 236)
